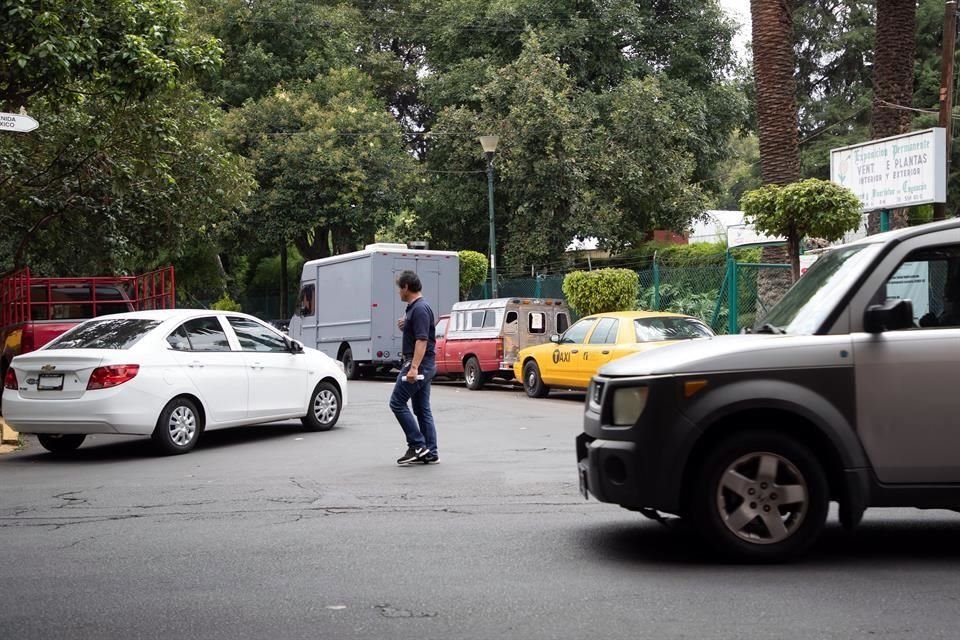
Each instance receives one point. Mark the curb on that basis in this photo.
(7, 434)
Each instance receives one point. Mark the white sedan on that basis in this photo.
(172, 375)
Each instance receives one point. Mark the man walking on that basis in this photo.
(416, 373)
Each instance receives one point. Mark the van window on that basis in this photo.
(490, 319)
(306, 304)
(442, 329)
(536, 322)
(562, 322)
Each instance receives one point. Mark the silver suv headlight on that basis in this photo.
(628, 404)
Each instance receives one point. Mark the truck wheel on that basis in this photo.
(761, 497)
(61, 443)
(178, 427)
(350, 367)
(472, 374)
(324, 408)
(532, 382)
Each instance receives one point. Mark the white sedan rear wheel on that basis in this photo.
(178, 427)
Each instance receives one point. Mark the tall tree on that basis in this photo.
(330, 162)
(893, 80)
(125, 164)
(126, 48)
(773, 65)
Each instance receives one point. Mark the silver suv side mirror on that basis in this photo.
(890, 316)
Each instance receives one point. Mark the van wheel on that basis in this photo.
(532, 382)
(61, 443)
(178, 427)
(350, 367)
(761, 497)
(472, 374)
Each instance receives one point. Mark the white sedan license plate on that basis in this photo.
(50, 382)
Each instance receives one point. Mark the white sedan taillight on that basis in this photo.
(10, 380)
(106, 377)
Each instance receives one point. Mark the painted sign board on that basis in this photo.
(900, 171)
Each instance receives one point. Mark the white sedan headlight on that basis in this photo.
(628, 404)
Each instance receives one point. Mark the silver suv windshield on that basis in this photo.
(808, 303)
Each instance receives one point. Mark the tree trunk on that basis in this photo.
(315, 246)
(773, 67)
(893, 82)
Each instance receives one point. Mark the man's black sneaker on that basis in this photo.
(413, 454)
(430, 458)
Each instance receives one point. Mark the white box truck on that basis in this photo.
(349, 306)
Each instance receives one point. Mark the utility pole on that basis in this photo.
(946, 91)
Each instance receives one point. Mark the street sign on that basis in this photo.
(900, 171)
(17, 123)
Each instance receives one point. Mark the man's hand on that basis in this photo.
(400, 323)
(412, 374)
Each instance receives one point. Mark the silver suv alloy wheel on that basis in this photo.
(762, 498)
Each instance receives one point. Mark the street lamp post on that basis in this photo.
(489, 144)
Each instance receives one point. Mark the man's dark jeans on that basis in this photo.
(418, 393)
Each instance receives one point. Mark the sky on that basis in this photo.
(739, 10)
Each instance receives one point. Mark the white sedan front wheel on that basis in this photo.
(324, 410)
(178, 427)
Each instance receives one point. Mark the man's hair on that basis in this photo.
(410, 280)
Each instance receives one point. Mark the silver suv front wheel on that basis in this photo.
(761, 497)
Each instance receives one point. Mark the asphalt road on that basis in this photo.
(269, 532)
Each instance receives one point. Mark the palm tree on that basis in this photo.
(894, 48)
(774, 63)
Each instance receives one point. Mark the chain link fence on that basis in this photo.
(699, 291)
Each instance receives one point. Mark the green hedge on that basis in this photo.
(602, 290)
(473, 270)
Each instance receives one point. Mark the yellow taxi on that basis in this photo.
(570, 360)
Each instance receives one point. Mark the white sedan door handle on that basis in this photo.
(256, 365)
(196, 364)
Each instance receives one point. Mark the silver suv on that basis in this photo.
(848, 391)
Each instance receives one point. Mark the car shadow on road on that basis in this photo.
(644, 543)
(100, 449)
